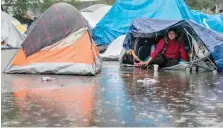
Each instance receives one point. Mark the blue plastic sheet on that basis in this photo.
(118, 20)
(214, 22)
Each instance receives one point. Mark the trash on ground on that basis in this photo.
(181, 120)
(126, 75)
(148, 81)
(48, 78)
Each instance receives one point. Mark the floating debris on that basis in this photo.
(219, 105)
(179, 101)
(48, 78)
(181, 120)
(219, 91)
(217, 83)
(148, 81)
(126, 75)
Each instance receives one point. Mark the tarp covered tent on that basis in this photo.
(59, 43)
(93, 14)
(12, 30)
(214, 22)
(94, 17)
(118, 20)
(152, 28)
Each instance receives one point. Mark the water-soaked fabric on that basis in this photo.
(57, 22)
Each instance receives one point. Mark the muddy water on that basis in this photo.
(113, 98)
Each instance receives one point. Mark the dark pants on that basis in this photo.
(164, 61)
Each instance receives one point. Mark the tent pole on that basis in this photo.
(202, 52)
(191, 47)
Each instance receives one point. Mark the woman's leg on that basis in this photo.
(172, 62)
(159, 59)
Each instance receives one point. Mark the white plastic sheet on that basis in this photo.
(94, 17)
(114, 49)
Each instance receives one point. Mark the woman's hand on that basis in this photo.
(147, 63)
(142, 63)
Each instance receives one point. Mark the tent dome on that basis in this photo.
(59, 43)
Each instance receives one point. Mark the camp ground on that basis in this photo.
(45, 35)
(86, 66)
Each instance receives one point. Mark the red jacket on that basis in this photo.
(173, 49)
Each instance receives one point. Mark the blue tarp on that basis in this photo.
(214, 22)
(143, 27)
(118, 20)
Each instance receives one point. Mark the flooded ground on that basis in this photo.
(112, 98)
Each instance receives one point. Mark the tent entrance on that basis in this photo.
(144, 46)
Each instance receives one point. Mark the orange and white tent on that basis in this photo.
(59, 43)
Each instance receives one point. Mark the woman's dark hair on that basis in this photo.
(178, 37)
(173, 29)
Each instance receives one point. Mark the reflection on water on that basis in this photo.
(114, 98)
(36, 103)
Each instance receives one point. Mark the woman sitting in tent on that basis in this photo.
(168, 52)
